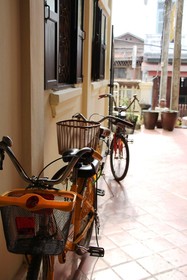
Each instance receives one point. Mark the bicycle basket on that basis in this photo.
(77, 134)
(44, 231)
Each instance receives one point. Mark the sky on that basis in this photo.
(129, 16)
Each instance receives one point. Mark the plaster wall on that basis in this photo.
(29, 114)
(10, 112)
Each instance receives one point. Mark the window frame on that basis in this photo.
(68, 59)
(98, 42)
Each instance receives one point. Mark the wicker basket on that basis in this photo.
(77, 134)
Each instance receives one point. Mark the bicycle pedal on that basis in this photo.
(96, 251)
(100, 192)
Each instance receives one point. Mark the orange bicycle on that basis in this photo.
(42, 221)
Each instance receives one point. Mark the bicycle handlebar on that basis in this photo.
(119, 108)
(79, 116)
(117, 121)
(5, 146)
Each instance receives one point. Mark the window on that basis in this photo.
(64, 37)
(120, 73)
(98, 43)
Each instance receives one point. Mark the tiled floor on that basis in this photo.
(144, 219)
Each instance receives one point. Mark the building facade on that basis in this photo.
(49, 53)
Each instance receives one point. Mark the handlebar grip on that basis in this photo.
(104, 95)
(7, 140)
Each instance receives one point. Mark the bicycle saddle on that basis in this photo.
(120, 109)
(87, 166)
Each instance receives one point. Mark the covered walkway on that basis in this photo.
(143, 220)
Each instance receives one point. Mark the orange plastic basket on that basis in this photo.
(41, 231)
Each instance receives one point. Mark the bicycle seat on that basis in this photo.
(69, 154)
(120, 109)
(84, 170)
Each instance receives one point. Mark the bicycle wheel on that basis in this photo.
(86, 216)
(119, 157)
(40, 267)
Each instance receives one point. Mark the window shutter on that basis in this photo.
(77, 41)
(51, 44)
(96, 45)
(103, 47)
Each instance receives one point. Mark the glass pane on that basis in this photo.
(52, 5)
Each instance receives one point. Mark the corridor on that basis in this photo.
(143, 220)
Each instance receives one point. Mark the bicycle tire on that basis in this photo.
(85, 216)
(39, 268)
(119, 157)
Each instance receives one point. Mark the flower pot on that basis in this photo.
(150, 118)
(169, 119)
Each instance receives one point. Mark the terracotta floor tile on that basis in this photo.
(116, 256)
(106, 243)
(108, 274)
(161, 228)
(122, 238)
(142, 234)
(183, 269)
(143, 219)
(171, 275)
(177, 238)
(155, 264)
(158, 244)
(175, 256)
(131, 271)
(137, 250)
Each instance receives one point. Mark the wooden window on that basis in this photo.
(98, 43)
(51, 42)
(64, 37)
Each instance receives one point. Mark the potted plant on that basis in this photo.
(150, 118)
(169, 119)
(167, 116)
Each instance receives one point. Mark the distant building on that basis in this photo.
(128, 57)
(151, 66)
(138, 60)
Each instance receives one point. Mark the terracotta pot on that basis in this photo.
(169, 119)
(150, 118)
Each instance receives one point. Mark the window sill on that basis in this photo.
(58, 97)
(99, 85)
